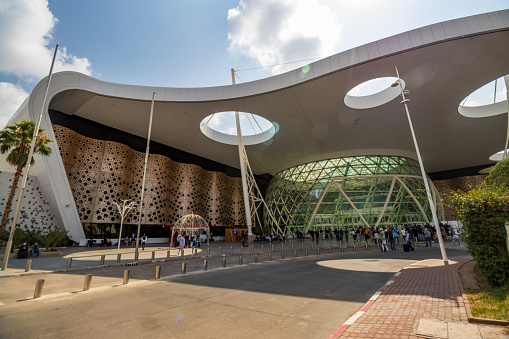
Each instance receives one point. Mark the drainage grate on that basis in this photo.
(132, 264)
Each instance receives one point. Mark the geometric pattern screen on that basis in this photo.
(294, 194)
(100, 172)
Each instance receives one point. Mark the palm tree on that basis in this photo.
(16, 140)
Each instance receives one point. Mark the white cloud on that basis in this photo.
(282, 31)
(11, 97)
(26, 48)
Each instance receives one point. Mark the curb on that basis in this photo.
(472, 319)
(364, 308)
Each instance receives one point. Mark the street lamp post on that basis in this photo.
(123, 210)
(428, 191)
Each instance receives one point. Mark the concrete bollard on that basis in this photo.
(39, 284)
(241, 249)
(126, 277)
(69, 262)
(231, 250)
(282, 254)
(330, 250)
(366, 247)
(224, 262)
(256, 258)
(158, 271)
(270, 256)
(262, 247)
(311, 243)
(182, 253)
(302, 246)
(306, 252)
(252, 248)
(28, 265)
(282, 247)
(354, 248)
(205, 265)
(342, 250)
(153, 255)
(136, 256)
(208, 250)
(183, 270)
(195, 251)
(317, 251)
(88, 280)
(219, 250)
(119, 257)
(272, 247)
(295, 253)
(102, 260)
(168, 253)
(292, 246)
(240, 260)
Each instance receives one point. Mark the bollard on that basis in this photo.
(231, 250)
(282, 247)
(240, 260)
(252, 248)
(126, 277)
(306, 252)
(330, 250)
(272, 247)
(136, 255)
(208, 250)
(270, 256)
(317, 251)
(354, 248)
(102, 259)
(182, 253)
(302, 246)
(28, 265)
(195, 251)
(183, 271)
(292, 246)
(311, 243)
(241, 249)
(153, 255)
(205, 265)
(219, 250)
(256, 258)
(88, 280)
(39, 284)
(119, 257)
(366, 247)
(282, 254)
(262, 247)
(295, 253)
(158, 271)
(342, 250)
(69, 262)
(224, 262)
(168, 253)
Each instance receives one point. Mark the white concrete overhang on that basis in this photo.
(440, 64)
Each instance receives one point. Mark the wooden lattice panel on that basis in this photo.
(100, 172)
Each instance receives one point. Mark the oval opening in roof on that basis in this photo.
(486, 101)
(221, 127)
(373, 93)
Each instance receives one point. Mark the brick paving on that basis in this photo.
(427, 289)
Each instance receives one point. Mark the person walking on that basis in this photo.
(383, 242)
(409, 241)
(182, 243)
(143, 241)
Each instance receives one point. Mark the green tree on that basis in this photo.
(15, 140)
(499, 174)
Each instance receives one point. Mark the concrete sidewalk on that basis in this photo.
(425, 300)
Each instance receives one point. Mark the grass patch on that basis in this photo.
(490, 303)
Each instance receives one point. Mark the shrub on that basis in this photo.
(55, 238)
(484, 211)
(499, 174)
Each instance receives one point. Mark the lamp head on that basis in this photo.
(395, 84)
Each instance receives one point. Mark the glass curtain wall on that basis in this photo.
(350, 192)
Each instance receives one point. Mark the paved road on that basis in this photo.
(308, 297)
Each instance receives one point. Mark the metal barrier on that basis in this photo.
(126, 277)
(88, 280)
(39, 284)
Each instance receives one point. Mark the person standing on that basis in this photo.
(182, 243)
(391, 240)
(427, 235)
(143, 241)
(384, 242)
(409, 241)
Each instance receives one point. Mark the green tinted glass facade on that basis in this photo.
(346, 187)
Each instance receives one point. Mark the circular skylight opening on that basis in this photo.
(374, 93)
(222, 127)
(498, 156)
(486, 101)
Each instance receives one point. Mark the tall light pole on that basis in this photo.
(27, 167)
(147, 151)
(428, 191)
(123, 210)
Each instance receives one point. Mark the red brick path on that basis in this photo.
(426, 290)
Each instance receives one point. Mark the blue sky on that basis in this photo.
(194, 43)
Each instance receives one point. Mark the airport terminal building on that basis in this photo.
(330, 160)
